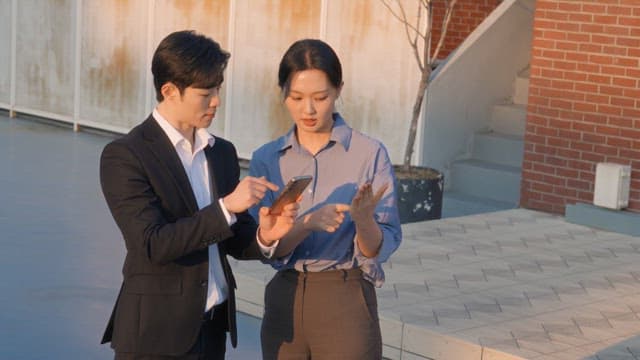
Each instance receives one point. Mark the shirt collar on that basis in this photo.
(340, 133)
(202, 138)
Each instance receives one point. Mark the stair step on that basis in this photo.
(485, 179)
(499, 148)
(456, 204)
(509, 119)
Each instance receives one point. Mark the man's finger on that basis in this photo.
(342, 207)
(263, 181)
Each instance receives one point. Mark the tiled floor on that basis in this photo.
(504, 285)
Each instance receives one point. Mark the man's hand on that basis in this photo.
(364, 203)
(328, 218)
(249, 192)
(274, 227)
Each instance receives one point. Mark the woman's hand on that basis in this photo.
(364, 204)
(328, 218)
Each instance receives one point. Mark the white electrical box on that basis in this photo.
(612, 185)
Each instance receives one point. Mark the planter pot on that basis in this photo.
(420, 192)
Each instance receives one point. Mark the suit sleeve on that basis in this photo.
(147, 224)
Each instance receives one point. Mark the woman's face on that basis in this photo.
(311, 101)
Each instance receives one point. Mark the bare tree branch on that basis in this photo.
(445, 25)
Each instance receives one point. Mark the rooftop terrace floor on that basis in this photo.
(512, 284)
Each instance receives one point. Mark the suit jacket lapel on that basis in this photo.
(166, 155)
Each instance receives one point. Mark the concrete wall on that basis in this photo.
(88, 62)
(479, 74)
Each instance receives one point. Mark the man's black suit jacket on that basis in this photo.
(162, 299)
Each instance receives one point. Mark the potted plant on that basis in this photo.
(420, 189)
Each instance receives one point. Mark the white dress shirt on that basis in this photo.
(196, 166)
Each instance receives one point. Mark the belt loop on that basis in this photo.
(345, 275)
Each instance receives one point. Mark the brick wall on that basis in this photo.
(584, 100)
(467, 15)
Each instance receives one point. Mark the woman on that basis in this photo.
(321, 304)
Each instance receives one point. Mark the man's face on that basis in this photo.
(195, 107)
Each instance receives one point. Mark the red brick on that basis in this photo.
(573, 135)
(565, 172)
(630, 154)
(591, 28)
(597, 98)
(562, 104)
(569, 6)
(628, 42)
(610, 110)
(613, 70)
(571, 115)
(624, 102)
(625, 82)
(581, 146)
(592, 157)
(608, 130)
(587, 176)
(606, 150)
(576, 76)
(605, 19)
(567, 153)
(543, 168)
(581, 165)
(580, 17)
(602, 39)
(611, 90)
(618, 10)
(588, 68)
(593, 8)
(599, 79)
(631, 113)
(567, 193)
(617, 30)
(585, 107)
(578, 37)
(629, 21)
(541, 187)
(594, 138)
(619, 142)
(617, 52)
(590, 48)
(552, 73)
(629, 133)
(559, 124)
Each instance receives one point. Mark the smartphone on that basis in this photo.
(290, 193)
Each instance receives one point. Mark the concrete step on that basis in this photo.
(509, 119)
(487, 180)
(456, 204)
(499, 148)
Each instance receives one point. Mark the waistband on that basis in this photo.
(342, 274)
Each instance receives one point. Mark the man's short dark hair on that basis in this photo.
(186, 58)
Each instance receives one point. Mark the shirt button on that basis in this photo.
(203, 283)
(307, 253)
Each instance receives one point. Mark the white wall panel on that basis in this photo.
(5, 54)
(113, 62)
(264, 30)
(210, 18)
(380, 73)
(44, 56)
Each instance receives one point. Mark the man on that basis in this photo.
(174, 192)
